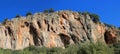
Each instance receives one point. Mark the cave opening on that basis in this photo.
(63, 16)
(105, 37)
(109, 38)
(65, 39)
(9, 31)
(39, 24)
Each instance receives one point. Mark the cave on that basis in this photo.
(109, 38)
(9, 31)
(48, 28)
(105, 37)
(63, 16)
(65, 39)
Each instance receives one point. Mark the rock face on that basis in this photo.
(57, 29)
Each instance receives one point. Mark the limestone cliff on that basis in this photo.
(57, 29)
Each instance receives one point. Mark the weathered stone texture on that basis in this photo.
(57, 29)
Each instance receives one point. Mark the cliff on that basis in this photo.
(56, 29)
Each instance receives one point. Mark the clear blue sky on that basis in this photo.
(108, 10)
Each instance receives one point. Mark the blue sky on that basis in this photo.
(108, 10)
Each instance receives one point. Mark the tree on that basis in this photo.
(29, 13)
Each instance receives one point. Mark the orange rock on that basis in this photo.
(57, 29)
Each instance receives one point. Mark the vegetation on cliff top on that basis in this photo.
(93, 16)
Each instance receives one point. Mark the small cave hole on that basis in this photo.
(39, 24)
(63, 16)
(64, 27)
(52, 21)
(5, 33)
(52, 29)
(48, 28)
(26, 23)
(9, 31)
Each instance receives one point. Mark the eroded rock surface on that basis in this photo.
(57, 29)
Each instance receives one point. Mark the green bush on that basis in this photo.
(84, 13)
(46, 11)
(117, 47)
(49, 11)
(86, 48)
(55, 50)
(1, 51)
(95, 17)
(17, 16)
(7, 51)
(29, 13)
(36, 50)
(81, 48)
(5, 20)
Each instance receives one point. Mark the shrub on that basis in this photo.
(17, 52)
(35, 50)
(46, 11)
(95, 17)
(1, 51)
(7, 51)
(17, 16)
(84, 13)
(117, 47)
(82, 48)
(51, 10)
(72, 49)
(89, 48)
(55, 50)
(29, 13)
(5, 20)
